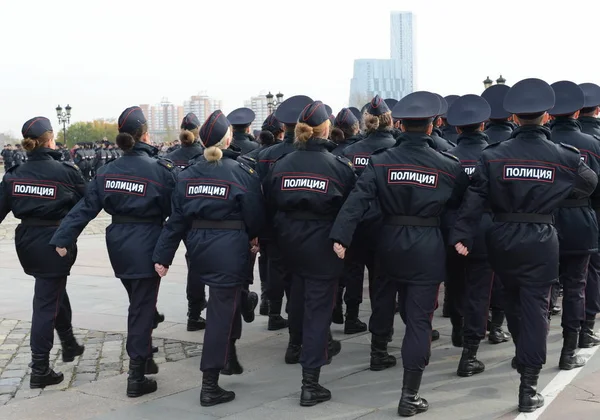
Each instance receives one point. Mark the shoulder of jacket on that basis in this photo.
(569, 147)
(492, 145)
(246, 168)
(344, 161)
(380, 151)
(450, 156)
(249, 158)
(13, 167)
(167, 163)
(70, 164)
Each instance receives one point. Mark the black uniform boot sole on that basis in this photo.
(313, 402)
(469, 373)
(224, 397)
(571, 363)
(532, 408)
(73, 352)
(277, 323)
(354, 326)
(232, 370)
(410, 410)
(380, 365)
(196, 324)
(42, 381)
(138, 389)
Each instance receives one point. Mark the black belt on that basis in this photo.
(569, 204)
(219, 224)
(306, 215)
(412, 221)
(524, 218)
(120, 220)
(40, 222)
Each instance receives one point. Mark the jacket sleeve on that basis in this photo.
(4, 201)
(585, 183)
(170, 185)
(460, 188)
(253, 207)
(78, 218)
(353, 210)
(471, 210)
(172, 233)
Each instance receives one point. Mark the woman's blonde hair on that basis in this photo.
(304, 131)
(30, 144)
(214, 153)
(378, 122)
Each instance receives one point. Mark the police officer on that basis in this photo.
(40, 192)
(439, 142)
(524, 179)
(346, 130)
(218, 219)
(305, 190)
(499, 127)
(588, 118)
(19, 157)
(7, 156)
(575, 220)
(413, 183)
(136, 191)
(101, 157)
(449, 132)
(241, 119)
(469, 278)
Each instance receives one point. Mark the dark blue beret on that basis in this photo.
(328, 109)
(494, 95)
(314, 114)
(241, 116)
(131, 120)
(289, 110)
(391, 102)
(592, 94)
(377, 106)
(444, 104)
(214, 128)
(417, 106)
(190, 121)
(272, 124)
(345, 119)
(356, 113)
(469, 110)
(35, 127)
(569, 98)
(529, 97)
(449, 101)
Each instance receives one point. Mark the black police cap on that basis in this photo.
(391, 102)
(241, 116)
(417, 106)
(345, 118)
(356, 113)
(214, 128)
(364, 108)
(190, 122)
(449, 101)
(131, 120)
(272, 124)
(35, 127)
(494, 95)
(592, 94)
(289, 110)
(529, 97)
(569, 98)
(377, 106)
(314, 114)
(444, 105)
(469, 110)
(328, 109)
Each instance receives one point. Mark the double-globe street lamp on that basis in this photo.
(64, 118)
(271, 104)
(489, 82)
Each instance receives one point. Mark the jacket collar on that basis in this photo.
(141, 149)
(44, 153)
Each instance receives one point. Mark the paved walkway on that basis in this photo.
(268, 389)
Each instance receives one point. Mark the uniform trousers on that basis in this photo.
(573, 275)
(592, 288)
(311, 307)
(195, 292)
(279, 282)
(51, 309)
(497, 297)
(223, 325)
(417, 303)
(352, 279)
(143, 294)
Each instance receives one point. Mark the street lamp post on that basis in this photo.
(64, 118)
(271, 104)
(501, 80)
(488, 82)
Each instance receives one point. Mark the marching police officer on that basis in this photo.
(136, 191)
(101, 156)
(469, 278)
(241, 119)
(218, 209)
(305, 190)
(524, 179)
(40, 192)
(499, 128)
(346, 130)
(588, 117)
(7, 154)
(413, 183)
(449, 132)
(575, 220)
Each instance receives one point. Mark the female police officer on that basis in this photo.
(136, 191)
(217, 208)
(305, 190)
(40, 192)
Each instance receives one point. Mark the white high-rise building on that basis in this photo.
(202, 105)
(258, 104)
(164, 120)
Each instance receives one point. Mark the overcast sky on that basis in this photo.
(101, 56)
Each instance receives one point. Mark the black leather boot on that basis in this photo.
(469, 365)
(353, 325)
(587, 336)
(154, 349)
(263, 309)
(334, 347)
(196, 324)
(338, 311)
(158, 318)
(292, 354)
(457, 331)
(151, 367)
(410, 401)
(276, 321)
(497, 335)
(41, 374)
(70, 348)
(137, 383)
(435, 335)
(380, 358)
(211, 393)
(249, 306)
(568, 359)
(312, 393)
(529, 399)
(232, 366)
